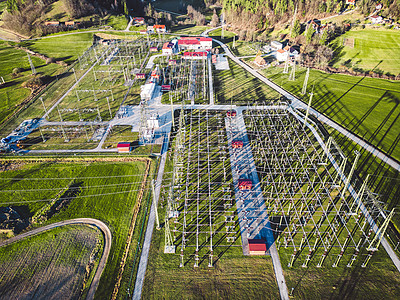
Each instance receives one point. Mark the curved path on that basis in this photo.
(81, 221)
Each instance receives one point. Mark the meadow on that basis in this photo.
(66, 48)
(12, 93)
(239, 87)
(366, 106)
(374, 49)
(59, 263)
(106, 189)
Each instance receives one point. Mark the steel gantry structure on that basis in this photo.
(201, 220)
(309, 192)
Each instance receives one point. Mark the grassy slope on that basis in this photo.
(367, 106)
(117, 22)
(11, 94)
(66, 48)
(107, 204)
(60, 256)
(241, 87)
(373, 48)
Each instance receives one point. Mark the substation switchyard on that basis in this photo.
(267, 175)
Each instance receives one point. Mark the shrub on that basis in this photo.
(50, 60)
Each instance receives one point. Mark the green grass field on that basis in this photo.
(12, 93)
(66, 48)
(367, 106)
(240, 87)
(188, 29)
(105, 190)
(117, 22)
(376, 49)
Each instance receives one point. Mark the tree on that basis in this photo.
(296, 29)
(309, 34)
(324, 37)
(215, 19)
(12, 6)
(324, 54)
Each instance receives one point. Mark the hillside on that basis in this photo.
(259, 15)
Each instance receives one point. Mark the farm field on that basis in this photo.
(374, 49)
(107, 189)
(366, 106)
(239, 87)
(55, 264)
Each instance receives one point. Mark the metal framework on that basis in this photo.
(200, 211)
(313, 208)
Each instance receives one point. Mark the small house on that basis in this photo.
(257, 247)
(237, 144)
(165, 88)
(167, 48)
(124, 147)
(172, 62)
(231, 113)
(153, 49)
(140, 76)
(245, 184)
(351, 2)
(376, 19)
(138, 20)
(260, 61)
(159, 28)
(51, 23)
(143, 31)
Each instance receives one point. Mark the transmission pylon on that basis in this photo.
(32, 66)
(143, 122)
(373, 246)
(286, 69)
(292, 76)
(304, 90)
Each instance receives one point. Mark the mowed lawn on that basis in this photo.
(105, 190)
(366, 106)
(240, 87)
(67, 48)
(373, 49)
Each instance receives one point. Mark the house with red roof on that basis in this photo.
(195, 43)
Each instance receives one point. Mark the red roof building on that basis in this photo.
(231, 113)
(153, 49)
(257, 247)
(140, 76)
(159, 28)
(245, 184)
(124, 147)
(165, 88)
(195, 55)
(237, 144)
(195, 43)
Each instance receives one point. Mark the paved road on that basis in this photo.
(297, 103)
(144, 257)
(252, 212)
(129, 24)
(210, 81)
(86, 221)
